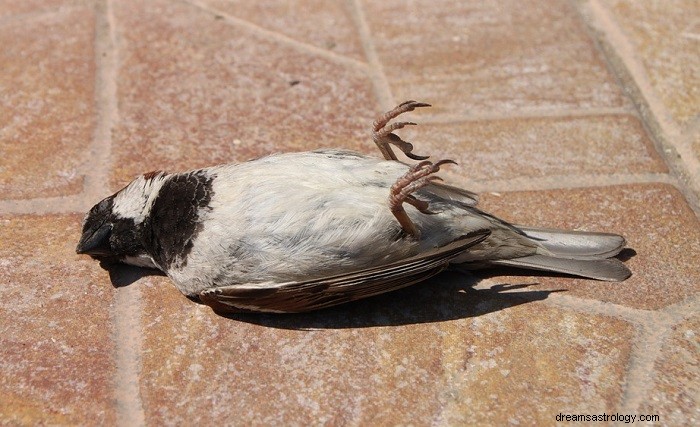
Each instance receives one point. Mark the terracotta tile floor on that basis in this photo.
(578, 114)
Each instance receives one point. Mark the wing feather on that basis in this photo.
(300, 296)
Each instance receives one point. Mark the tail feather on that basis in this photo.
(579, 245)
(611, 270)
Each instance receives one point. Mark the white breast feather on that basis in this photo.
(269, 221)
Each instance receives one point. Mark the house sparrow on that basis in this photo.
(301, 231)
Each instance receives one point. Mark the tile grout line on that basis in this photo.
(692, 129)
(647, 348)
(128, 338)
(126, 311)
(636, 316)
(651, 330)
(639, 376)
(684, 309)
(668, 138)
(74, 203)
(379, 80)
(97, 177)
(527, 114)
(14, 18)
(278, 37)
(602, 28)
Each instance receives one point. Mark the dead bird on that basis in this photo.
(300, 231)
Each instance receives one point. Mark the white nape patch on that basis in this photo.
(140, 261)
(135, 200)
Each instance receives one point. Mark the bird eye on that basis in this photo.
(104, 206)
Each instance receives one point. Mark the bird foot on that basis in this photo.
(418, 176)
(383, 135)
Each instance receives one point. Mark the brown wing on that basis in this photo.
(294, 297)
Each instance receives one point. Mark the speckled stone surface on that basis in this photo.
(676, 387)
(325, 25)
(666, 41)
(195, 95)
(440, 352)
(573, 114)
(538, 147)
(46, 108)
(490, 57)
(13, 8)
(55, 334)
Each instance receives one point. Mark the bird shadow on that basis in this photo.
(626, 254)
(448, 296)
(121, 275)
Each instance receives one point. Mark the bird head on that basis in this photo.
(112, 229)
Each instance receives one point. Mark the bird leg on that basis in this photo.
(418, 176)
(383, 135)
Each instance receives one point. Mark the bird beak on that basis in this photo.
(95, 242)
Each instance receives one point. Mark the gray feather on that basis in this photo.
(611, 270)
(576, 244)
(448, 192)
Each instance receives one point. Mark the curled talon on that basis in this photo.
(445, 162)
(410, 155)
(383, 135)
(417, 177)
(429, 167)
(405, 147)
(412, 105)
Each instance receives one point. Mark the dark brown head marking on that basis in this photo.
(151, 175)
(174, 221)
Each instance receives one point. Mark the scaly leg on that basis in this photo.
(417, 177)
(383, 135)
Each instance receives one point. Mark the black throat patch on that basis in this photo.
(174, 220)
